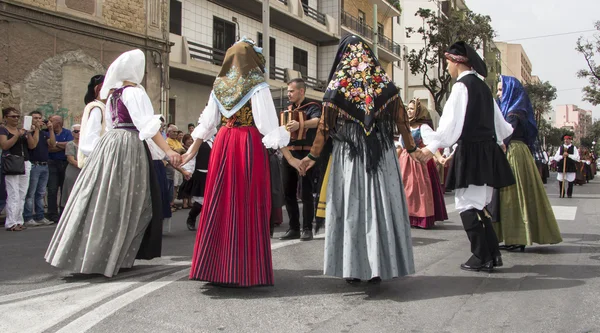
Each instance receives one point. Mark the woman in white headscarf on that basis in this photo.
(113, 215)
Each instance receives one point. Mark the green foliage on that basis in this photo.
(590, 51)
(541, 95)
(438, 33)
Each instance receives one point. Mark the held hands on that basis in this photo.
(187, 175)
(422, 155)
(174, 158)
(441, 160)
(292, 126)
(307, 163)
(503, 146)
(185, 158)
(298, 165)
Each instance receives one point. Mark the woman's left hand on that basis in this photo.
(174, 158)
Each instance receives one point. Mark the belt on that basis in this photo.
(299, 148)
(39, 163)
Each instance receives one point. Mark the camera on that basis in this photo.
(45, 121)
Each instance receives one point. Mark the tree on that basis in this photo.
(590, 50)
(541, 95)
(438, 33)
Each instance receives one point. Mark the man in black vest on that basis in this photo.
(472, 119)
(300, 148)
(566, 169)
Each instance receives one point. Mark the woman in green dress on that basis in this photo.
(526, 216)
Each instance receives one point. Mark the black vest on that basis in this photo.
(479, 119)
(571, 166)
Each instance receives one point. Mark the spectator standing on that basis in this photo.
(57, 165)
(72, 171)
(16, 142)
(33, 211)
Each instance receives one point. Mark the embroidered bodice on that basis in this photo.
(242, 118)
(119, 113)
(416, 134)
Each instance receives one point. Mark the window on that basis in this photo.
(398, 18)
(361, 17)
(362, 23)
(380, 30)
(271, 51)
(301, 61)
(175, 17)
(172, 109)
(223, 38)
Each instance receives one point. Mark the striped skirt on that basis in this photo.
(233, 243)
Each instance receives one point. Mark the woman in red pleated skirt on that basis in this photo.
(233, 246)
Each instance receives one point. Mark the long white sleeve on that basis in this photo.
(207, 122)
(451, 122)
(265, 118)
(141, 111)
(558, 156)
(93, 129)
(503, 128)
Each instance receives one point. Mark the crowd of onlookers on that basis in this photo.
(49, 150)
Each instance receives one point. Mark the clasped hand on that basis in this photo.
(301, 165)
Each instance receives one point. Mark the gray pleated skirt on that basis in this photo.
(367, 231)
(109, 209)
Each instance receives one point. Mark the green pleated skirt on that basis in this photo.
(526, 216)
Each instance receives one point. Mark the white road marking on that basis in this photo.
(567, 213)
(90, 319)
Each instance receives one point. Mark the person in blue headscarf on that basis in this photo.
(525, 215)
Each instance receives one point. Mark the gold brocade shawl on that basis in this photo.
(242, 75)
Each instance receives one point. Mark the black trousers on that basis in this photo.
(484, 242)
(56, 178)
(290, 185)
(569, 191)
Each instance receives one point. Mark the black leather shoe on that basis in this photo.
(498, 261)
(191, 224)
(375, 280)
(306, 235)
(291, 234)
(488, 267)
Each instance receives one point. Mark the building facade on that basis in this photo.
(493, 60)
(515, 61)
(575, 119)
(51, 49)
(304, 35)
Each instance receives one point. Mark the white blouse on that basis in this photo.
(265, 118)
(574, 156)
(453, 119)
(93, 129)
(141, 111)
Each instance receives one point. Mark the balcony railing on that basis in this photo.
(285, 2)
(313, 13)
(367, 31)
(315, 84)
(355, 24)
(205, 53)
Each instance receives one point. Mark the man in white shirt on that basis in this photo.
(566, 158)
(472, 119)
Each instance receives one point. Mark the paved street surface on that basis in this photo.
(546, 289)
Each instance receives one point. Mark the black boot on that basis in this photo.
(491, 238)
(482, 258)
(193, 216)
(560, 190)
(570, 190)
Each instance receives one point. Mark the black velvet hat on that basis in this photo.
(462, 52)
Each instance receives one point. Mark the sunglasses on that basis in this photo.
(14, 117)
(76, 131)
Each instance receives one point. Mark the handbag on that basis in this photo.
(14, 164)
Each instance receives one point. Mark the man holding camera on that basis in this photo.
(57, 165)
(38, 178)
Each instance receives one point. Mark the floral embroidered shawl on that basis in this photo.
(242, 75)
(361, 94)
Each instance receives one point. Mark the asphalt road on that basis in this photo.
(546, 289)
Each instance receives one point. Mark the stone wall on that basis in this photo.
(129, 15)
(45, 4)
